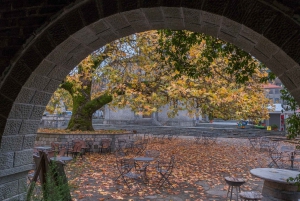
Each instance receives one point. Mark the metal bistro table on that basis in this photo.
(41, 148)
(275, 185)
(61, 158)
(146, 160)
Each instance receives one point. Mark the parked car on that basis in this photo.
(46, 113)
(67, 113)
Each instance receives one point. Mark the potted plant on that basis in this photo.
(274, 127)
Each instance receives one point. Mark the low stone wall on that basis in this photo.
(47, 138)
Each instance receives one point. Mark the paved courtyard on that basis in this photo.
(198, 175)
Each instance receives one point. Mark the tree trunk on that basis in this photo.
(83, 110)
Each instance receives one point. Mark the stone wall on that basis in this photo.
(47, 138)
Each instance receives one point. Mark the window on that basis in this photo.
(277, 91)
(270, 91)
(276, 100)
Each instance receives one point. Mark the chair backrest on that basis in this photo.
(55, 146)
(89, 143)
(83, 144)
(77, 146)
(50, 154)
(122, 143)
(152, 153)
(105, 143)
(62, 151)
(167, 167)
(125, 165)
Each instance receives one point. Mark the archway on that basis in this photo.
(267, 32)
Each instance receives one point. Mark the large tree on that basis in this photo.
(138, 72)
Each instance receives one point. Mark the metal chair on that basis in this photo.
(264, 144)
(140, 146)
(275, 158)
(76, 149)
(125, 167)
(89, 146)
(105, 145)
(165, 170)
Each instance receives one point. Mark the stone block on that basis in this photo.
(117, 21)
(23, 157)
(10, 88)
(140, 26)
(276, 67)
(296, 94)
(11, 143)
(13, 177)
(25, 95)
(80, 52)
(266, 47)
(70, 64)
(191, 16)
(23, 185)
(52, 85)
(108, 35)
(29, 126)
(126, 31)
(172, 12)
(37, 112)
(20, 111)
(194, 27)
(69, 45)
(210, 29)
(57, 56)
(227, 37)
(99, 26)
(153, 14)
(249, 34)
(41, 98)
(85, 36)
(294, 75)
(285, 60)
(210, 18)
(259, 55)
(16, 170)
(287, 82)
(44, 68)
(28, 141)
(230, 27)
(12, 127)
(95, 45)
(134, 15)
(175, 25)
(36, 81)
(8, 190)
(6, 160)
(244, 43)
(157, 25)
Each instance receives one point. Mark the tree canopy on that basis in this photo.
(147, 71)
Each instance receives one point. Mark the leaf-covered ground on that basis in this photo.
(198, 175)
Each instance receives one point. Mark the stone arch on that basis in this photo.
(260, 28)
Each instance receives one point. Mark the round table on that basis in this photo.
(143, 168)
(43, 148)
(61, 158)
(234, 182)
(143, 159)
(276, 186)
